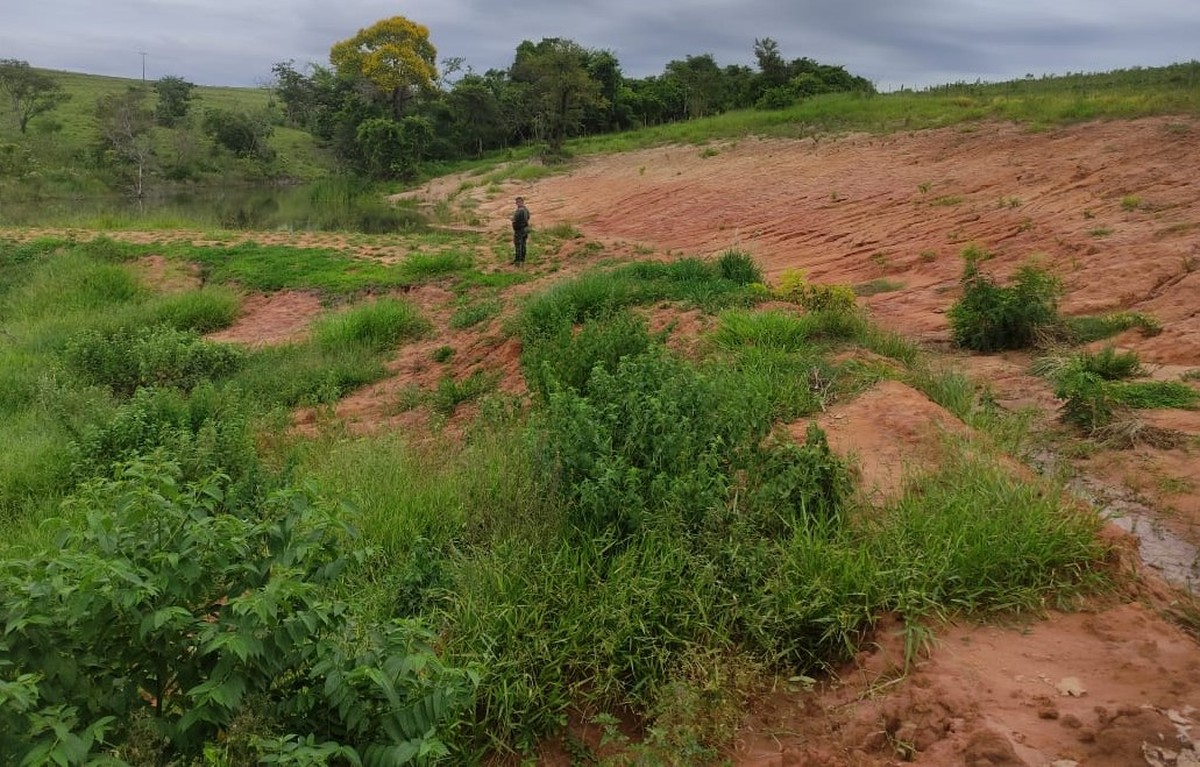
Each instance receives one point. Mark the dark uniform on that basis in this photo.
(520, 225)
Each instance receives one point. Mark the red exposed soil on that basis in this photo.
(1113, 208)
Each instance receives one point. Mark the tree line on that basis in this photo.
(384, 107)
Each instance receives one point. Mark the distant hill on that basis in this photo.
(57, 152)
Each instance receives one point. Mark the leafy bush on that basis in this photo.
(127, 359)
(155, 604)
(566, 359)
(798, 485)
(991, 318)
(205, 432)
(1094, 391)
(638, 451)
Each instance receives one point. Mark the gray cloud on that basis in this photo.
(915, 43)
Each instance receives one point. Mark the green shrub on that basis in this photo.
(159, 601)
(205, 432)
(1095, 393)
(127, 359)
(651, 444)
(797, 486)
(990, 317)
(795, 287)
(566, 359)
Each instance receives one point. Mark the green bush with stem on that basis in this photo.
(991, 317)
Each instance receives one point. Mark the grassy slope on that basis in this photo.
(61, 138)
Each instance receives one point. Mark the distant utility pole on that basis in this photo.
(143, 55)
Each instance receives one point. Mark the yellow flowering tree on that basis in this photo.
(393, 55)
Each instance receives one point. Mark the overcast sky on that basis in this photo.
(892, 43)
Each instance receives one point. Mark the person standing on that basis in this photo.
(520, 225)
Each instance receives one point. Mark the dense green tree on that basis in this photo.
(655, 100)
(604, 115)
(702, 83)
(561, 89)
(772, 67)
(296, 91)
(475, 112)
(379, 142)
(393, 56)
(174, 100)
(739, 87)
(30, 92)
(243, 134)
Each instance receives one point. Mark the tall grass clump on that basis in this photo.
(205, 310)
(975, 539)
(991, 317)
(72, 282)
(304, 374)
(739, 267)
(372, 327)
(423, 266)
(36, 471)
(790, 332)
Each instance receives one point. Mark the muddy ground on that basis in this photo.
(1113, 208)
